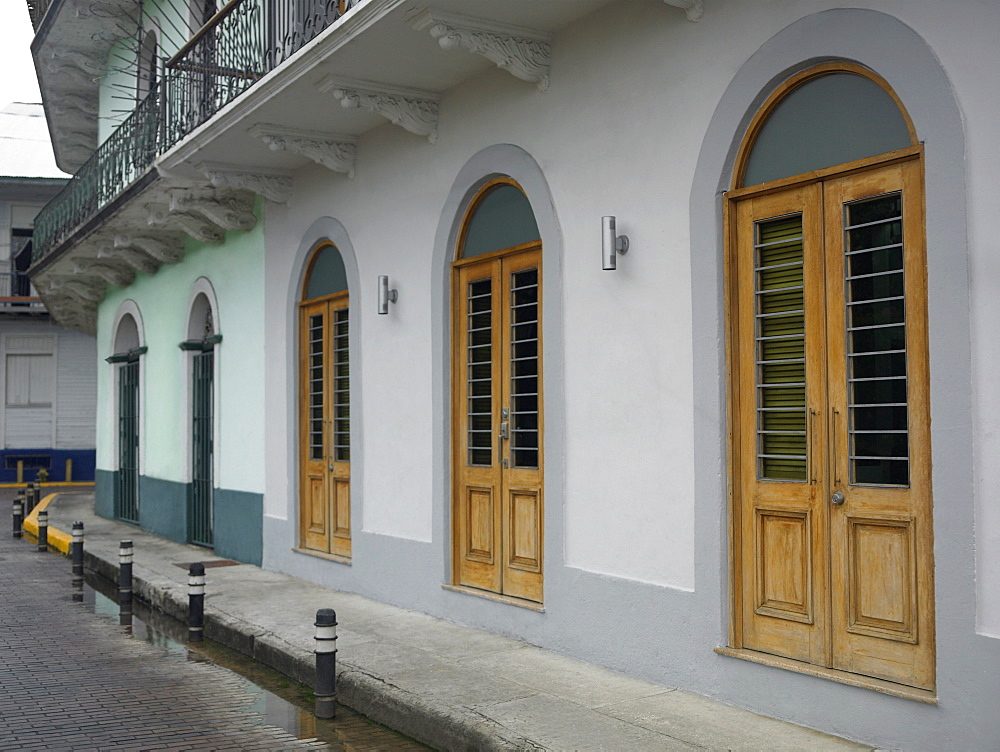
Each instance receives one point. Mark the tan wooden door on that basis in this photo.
(497, 437)
(835, 536)
(325, 496)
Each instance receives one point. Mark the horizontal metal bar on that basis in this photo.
(876, 326)
(873, 249)
(873, 274)
(779, 289)
(770, 243)
(875, 300)
(875, 222)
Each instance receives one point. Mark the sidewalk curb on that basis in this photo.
(381, 701)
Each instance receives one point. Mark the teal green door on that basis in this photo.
(127, 486)
(200, 523)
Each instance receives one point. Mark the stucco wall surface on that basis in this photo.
(235, 272)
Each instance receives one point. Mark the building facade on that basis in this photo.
(654, 333)
(49, 379)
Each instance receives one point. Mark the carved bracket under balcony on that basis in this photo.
(83, 289)
(411, 109)
(335, 152)
(524, 53)
(131, 256)
(695, 9)
(166, 248)
(275, 185)
(111, 271)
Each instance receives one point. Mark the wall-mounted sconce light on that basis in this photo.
(385, 295)
(611, 244)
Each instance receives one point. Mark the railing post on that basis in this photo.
(43, 531)
(326, 663)
(196, 602)
(18, 514)
(77, 552)
(125, 572)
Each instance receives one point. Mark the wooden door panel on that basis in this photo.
(881, 544)
(882, 578)
(783, 528)
(524, 531)
(316, 528)
(784, 569)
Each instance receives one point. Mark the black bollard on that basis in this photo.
(326, 663)
(76, 550)
(29, 499)
(125, 572)
(196, 602)
(18, 514)
(43, 531)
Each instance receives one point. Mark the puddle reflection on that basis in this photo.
(277, 700)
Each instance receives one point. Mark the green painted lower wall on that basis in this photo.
(237, 515)
(239, 521)
(104, 493)
(163, 508)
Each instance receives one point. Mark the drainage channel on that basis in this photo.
(278, 700)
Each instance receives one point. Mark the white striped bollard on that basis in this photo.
(76, 550)
(326, 663)
(196, 602)
(18, 514)
(29, 499)
(43, 531)
(125, 572)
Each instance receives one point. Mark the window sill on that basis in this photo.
(844, 677)
(322, 555)
(509, 600)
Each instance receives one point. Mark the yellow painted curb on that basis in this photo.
(58, 540)
(46, 484)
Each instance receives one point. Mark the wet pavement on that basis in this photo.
(72, 677)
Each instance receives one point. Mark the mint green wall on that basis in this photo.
(235, 269)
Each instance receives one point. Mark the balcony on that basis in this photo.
(263, 89)
(16, 295)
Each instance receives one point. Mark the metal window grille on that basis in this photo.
(524, 338)
(127, 487)
(200, 516)
(479, 353)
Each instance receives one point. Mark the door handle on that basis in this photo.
(504, 434)
(838, 498)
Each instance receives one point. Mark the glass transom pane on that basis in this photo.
(836, 118)
(502, 219)
(327, 274)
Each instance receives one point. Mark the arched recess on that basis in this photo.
(325, 346)
(148, 65)
(201, 371)
(126, 362)
(876, 42)
(508, 166)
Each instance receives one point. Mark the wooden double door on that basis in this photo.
(497, 508)
(325, 430)
(833, 534)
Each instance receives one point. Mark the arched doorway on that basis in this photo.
(202, 339)
(828, 388)
(127, 350)
(325, 406)
(497, 447)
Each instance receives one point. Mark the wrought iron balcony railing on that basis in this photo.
(110, 170)
(238, 46)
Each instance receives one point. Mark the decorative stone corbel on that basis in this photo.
(131, 256)
(114, 273)
(271, 184)
(230, 210)
(167, 249)
(524, 53)
(414, 110)
(694, 8)
(333, 151)
(195, 225)
(83, 288)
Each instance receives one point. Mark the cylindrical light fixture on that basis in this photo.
(611, 244)
(385, 295)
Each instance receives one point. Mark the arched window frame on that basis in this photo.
(914, 153)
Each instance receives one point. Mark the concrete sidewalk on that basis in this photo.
(449, 686)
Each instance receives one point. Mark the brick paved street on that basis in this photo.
(71, 680)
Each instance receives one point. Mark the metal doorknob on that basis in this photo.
(838, 498)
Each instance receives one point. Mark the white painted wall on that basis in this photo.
(617, 133)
